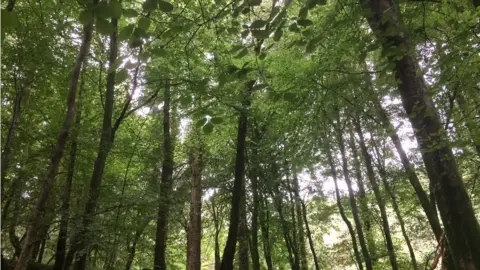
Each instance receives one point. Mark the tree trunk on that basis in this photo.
(353, 204)
(299, 224)
(461, 226)
(81, 243)
(57, 153)
(132, 249)
(230, 246)
(243, 258)
(342, 211)
(165, 186)
(65, 208)
(264, 221)
(427, 207)
(286, 232)
(216, 223)
(195, 225)
(309, 235)
(383, 176)
(255, 203)
(378, 196)
(365, 213)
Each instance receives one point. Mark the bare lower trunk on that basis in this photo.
(243, 258)
(165, 186)
(378, 196)
(132, 248)
(461, 226)
(195, 225)
(264, 221)
(342, 211)
(299, 224)
(57, 153)
(351, 195)
(65, 208)
(309, 235)
(230, 246)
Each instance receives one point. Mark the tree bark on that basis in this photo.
(461, 226)
(165, 186)
(132, 249)
(255, 207)
(195, 225)
(230, 246)
(243, 256)
(299, 224)
(398, 214)
(309, 235)
(65, 208)
(342, 211)
(378, 196)
(264, 221)
(57, 153)
(353, 203)
(365, 213)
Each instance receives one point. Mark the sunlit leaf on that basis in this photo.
(258, 24)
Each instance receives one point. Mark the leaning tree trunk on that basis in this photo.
(342, 211)
(378, 196)
(309, 235)
(398, 214)
(195, 224)
(230, 246)
(461, 227)
(81, 240)
(365, 213)
(353, 203)
(57, 153)
(166, 184)
(65, 208)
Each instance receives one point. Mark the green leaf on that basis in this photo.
(278, 35)
(242, 53)
(115, 8)
(121, 76)
(165, 6)
(236, 48)
(144, 56)
(85, 17)
(144, 23)
(294, 28)
(102, 10)
(304, 22)
(150, 5)
(139, 33)
(130, 13)
(104, 27)
(126, 32)
(216, 120)
(159, 52)
(245, 33)
(201, 122)
(208, 128)
(260, 34)
(258, 24)
(254, 2)
(232, 69)
(311, 46)
(262, 56)
(135, 42)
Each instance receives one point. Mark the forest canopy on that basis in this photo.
(243, 134)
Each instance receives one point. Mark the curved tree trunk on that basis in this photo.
(461, 226)
(378, 196)
(57, 154)
(342, 211)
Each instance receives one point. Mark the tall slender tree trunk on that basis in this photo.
(81, 240)
(264, 221)
(65, 208)
(132, 249)
(461, 226)
(230, 246)
(353, 203)
(195, 224)
(365, 213)
(243, 256)
(398, 214)
(378, 196)
(286, 232)
(216, 223)
(342, 211)
(165, 186)
(309, 235)
(57, 154)
(423, 197)
(255, 206)
(299, 223)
